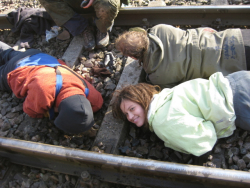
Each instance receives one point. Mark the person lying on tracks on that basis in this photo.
(66, 13)
(48, 85)
(171, 55)
(191, 116)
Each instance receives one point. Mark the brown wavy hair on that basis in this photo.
(141, 93)
(133, 44)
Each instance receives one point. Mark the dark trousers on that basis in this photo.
(63, 11)
(239, 82)
(246, 39)
(8, 61)
(6, 54)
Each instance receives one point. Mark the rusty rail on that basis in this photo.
(231, 15)
(119, 169)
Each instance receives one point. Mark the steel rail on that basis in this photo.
(185, 15)
(226, 15)
(119, 169)
(128, 170)
(187, 9)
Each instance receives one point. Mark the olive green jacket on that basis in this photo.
(176, 55)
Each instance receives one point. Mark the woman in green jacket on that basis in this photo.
(171, 55)
(189, 117)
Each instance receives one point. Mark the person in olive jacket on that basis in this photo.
(171, 55)
(49, 87)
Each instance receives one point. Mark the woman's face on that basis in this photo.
(134, 112)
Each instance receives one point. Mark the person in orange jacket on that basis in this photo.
(48, 85)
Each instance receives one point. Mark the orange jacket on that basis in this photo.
(38, 85)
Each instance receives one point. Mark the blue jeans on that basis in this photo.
(240, 82)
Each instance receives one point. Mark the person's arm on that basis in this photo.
(106, 11)
(59, 10)
(38, 99)
(178, 120)
(191, 116)
(37, 85)
(188, 134)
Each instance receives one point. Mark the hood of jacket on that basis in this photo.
(155, 53)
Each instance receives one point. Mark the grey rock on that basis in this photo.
(5, 126)
(142, 150)
(155, 154)
(247, 145)
(243, 151)
(246, 158)
(110, 86)
(241, 164)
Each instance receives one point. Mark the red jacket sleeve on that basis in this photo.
(37, 85)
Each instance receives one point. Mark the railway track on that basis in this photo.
(110, 166)
(215, 16)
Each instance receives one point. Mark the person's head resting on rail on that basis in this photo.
(191, 116)
(49, 86)
(75, 115)
(132, 103)
(133, 43)
(170, 55)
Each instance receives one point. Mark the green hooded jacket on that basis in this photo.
(176, 55)
(191, 117)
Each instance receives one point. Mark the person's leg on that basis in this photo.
(3, 47)
(239, 82)
(106, 11)
(59, 10)
(246, 39)
(64, 13)
(6, 54)
(76, 24)
(76, 6)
